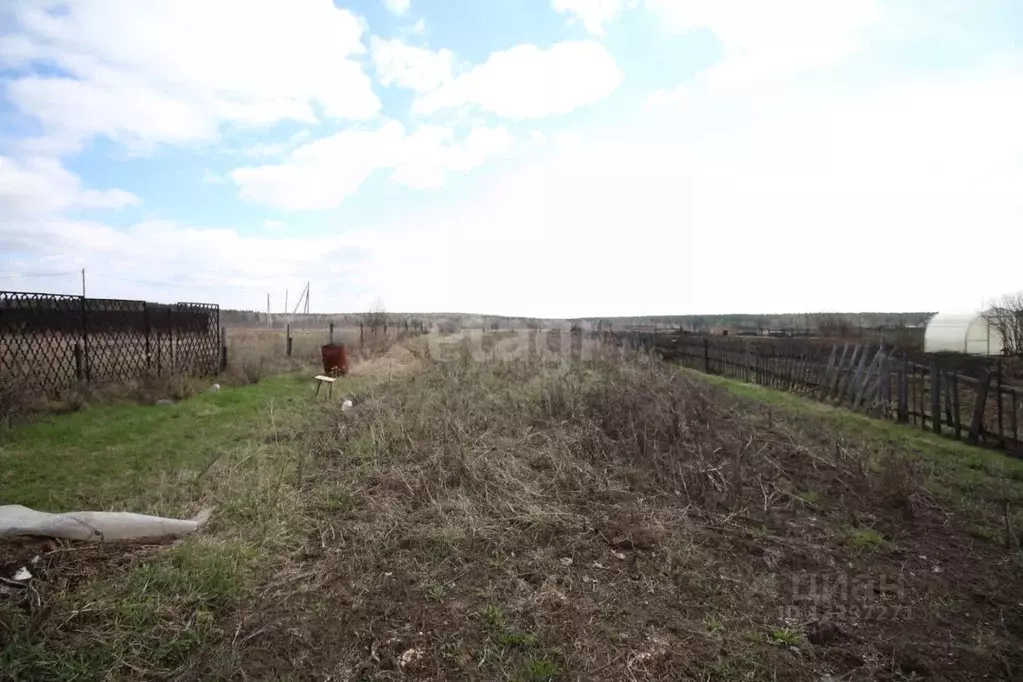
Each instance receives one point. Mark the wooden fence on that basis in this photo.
(873, 379)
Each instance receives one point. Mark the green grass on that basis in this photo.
(786, 637)
(140, 614)
(157, 611)
(106, 456)
(864, 539)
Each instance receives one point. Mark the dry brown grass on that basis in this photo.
(602, 521)
(618, 521)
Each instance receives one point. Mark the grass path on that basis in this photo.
(110, 456)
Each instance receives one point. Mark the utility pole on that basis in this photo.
(307, 298)
(268, 310)
(285, 301)
(83, 282)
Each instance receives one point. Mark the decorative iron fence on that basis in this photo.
(53, 341)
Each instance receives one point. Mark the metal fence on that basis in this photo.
(53, 341)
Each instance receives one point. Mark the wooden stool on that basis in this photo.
(321, 380)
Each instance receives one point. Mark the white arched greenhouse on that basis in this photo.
(961, 333)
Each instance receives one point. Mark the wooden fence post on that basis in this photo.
(223, 349)
(903, 411)
(843, 389)
(935, 396)
(836, 376)
(330, 335)
(706, 355)
(362, 335)
(863, 379)
(947, 388)
(956, 409)
(288, 339)
(1012, 421)
(977, 423)
(999, 403)
(885, 385)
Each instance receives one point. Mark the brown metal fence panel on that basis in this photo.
(115, 339)
(40, 336)
(55, 341)
(197, 338)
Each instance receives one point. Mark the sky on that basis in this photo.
(546, 158)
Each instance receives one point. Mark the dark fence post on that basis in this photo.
(1012, 421)
(223, 349)
(84, 362)
(885, 386)
(903, 412)
(998, 400)
(149, 348)
(362, 335)
(977, 423)
(79, 362)
(173, 333)
(935, 396)
(330, 335)
(947, 388)
(956, 409)
(706, 356)
(288, 332)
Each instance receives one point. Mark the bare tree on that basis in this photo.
(376, 316)
(1005, 316)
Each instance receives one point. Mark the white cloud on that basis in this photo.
(419, 28)
(274, 224)
(529, 82)
(594, 14)
(778, 38)
(198, 264)
(41, 186)
(781, 200)
(416, 68)
(398, 8)
(321, 174)
(147, 73)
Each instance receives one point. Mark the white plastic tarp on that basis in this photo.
(93, 526)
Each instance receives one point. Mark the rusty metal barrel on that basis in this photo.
(335, 359)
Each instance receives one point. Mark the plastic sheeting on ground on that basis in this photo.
(93, 526)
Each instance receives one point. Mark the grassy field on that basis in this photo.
(609, 520)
